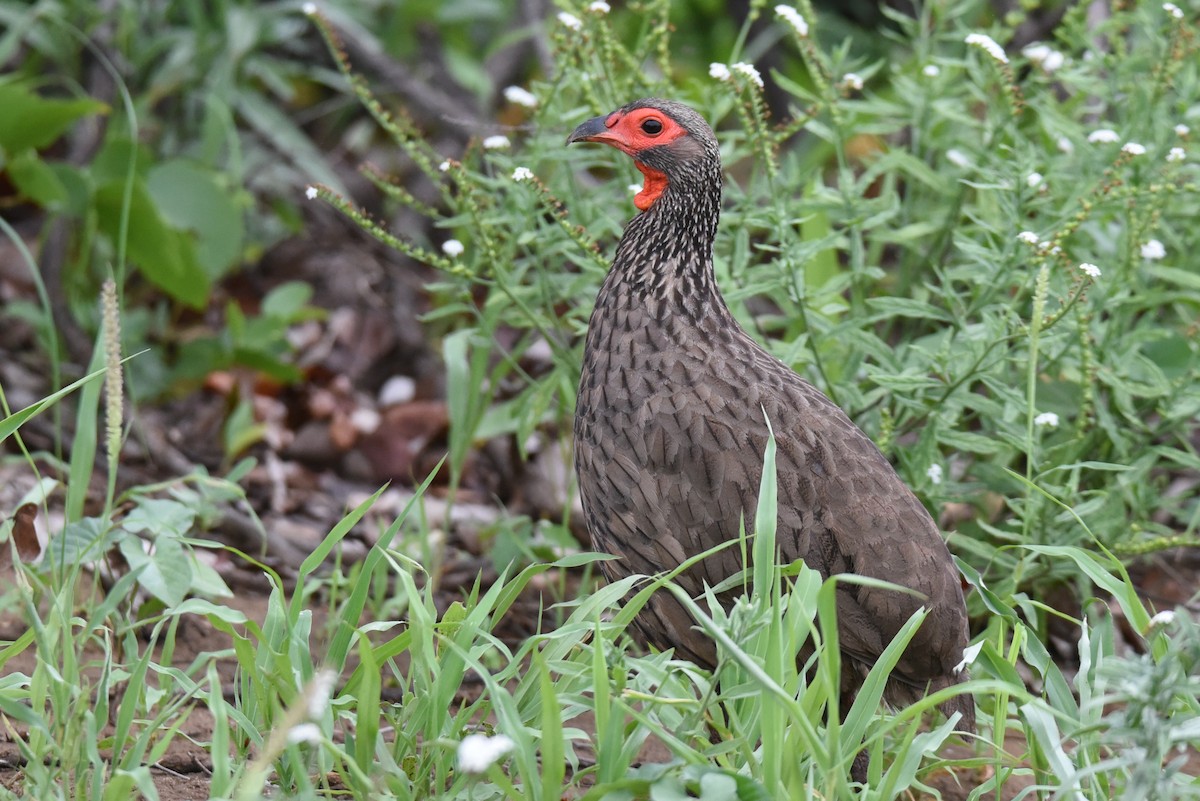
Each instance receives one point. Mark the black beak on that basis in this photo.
(588, 131)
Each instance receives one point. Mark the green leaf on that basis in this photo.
(207, 581)
(17, 419)
(166, 572)
(553, 761)
(1188, 279)
(82, 540)
(277, 128)
(267, 364)
(241, 431)
(969, 442)
(823, 265)
(885, 308)
(288, 301)
(30, 121)
(166, 256)
(190, 198)
(160, 517)
(111, 165)
(366, 705)
(199, 606)
(1109, 576)
(35, 180)
(1044, 729)
(908, 382)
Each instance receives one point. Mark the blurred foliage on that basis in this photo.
(185, 174)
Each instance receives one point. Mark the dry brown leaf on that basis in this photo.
(24, 537)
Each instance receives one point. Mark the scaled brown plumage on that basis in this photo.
(669, 434)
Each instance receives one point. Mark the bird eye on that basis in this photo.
(652, 127)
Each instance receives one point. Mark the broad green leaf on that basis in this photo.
(159, 517)
(199, 606)
(207, 581)
(30, 121)
(166, 572)
(111, 165)
(37, 181)
(287, 301)
(190, 198)
(166, 256)
(83, 540)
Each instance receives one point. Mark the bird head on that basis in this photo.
(670, 144)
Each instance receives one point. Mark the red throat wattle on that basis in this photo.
(653, 186)
(635, 131)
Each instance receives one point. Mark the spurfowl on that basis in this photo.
(669, 434)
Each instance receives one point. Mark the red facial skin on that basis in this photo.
(627, 132)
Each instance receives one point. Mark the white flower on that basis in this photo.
(970, 654)
(321, 688)
(1174, 10)
(1044, 56)
(311, 193)
(1182, 130)
(520, 97)
(1034, 180)
(1176, 154)
(635, 188)
(1036, 52)
(792, 17)
(478, 752)
(1049, 419)
(497, 142)
(452, 248)
(957, 158)
(988, 45)
(719, 71)
(570, 20)
(1162, 618)
(309, 9)
(445, 165)
(522, 174)
(1104, 136)
(930, 70)
(1153, 250)
(1092, 270)
(304, 733)
(600, 7)
(1065, 145)
(749, 71)
(934, 473)
(1133, 149)
(1028, 237)
(852, 81)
